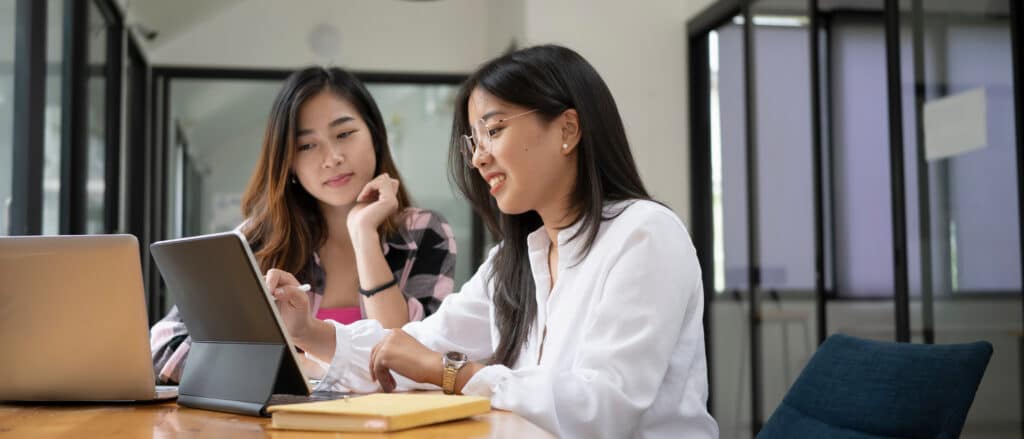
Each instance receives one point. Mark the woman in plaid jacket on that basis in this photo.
(325, 203)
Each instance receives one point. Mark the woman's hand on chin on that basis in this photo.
(376, 202)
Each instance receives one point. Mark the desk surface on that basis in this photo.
(171, 420)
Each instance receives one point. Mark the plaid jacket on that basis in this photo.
(421, 255)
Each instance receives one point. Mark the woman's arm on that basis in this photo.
(375, 203)
(388, 306)
(461, 324)
(169, 343)
(400, 351)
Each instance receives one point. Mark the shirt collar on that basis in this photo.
(538, 239)
(567, 247)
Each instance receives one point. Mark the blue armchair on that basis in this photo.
(854, 388)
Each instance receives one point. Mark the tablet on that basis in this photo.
(241, 353)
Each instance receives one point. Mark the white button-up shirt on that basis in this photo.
(624, 351)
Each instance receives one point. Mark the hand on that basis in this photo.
(292, 302)
(376, 202)
(401, 353)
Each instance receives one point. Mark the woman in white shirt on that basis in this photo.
(586, 318)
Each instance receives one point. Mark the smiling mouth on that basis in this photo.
(496, 183)
(496, 180)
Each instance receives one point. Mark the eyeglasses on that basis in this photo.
(481, 137)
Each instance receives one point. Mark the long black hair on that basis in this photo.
(550, 79)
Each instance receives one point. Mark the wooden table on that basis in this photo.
(167, 420)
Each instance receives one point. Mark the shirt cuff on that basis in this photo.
(487, 381)
(339, 366)
(319, 373)
(348, 370)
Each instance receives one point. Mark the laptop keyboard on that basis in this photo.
(323, 395)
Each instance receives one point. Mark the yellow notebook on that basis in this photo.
(379, 412)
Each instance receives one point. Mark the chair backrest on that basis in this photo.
(857, 388)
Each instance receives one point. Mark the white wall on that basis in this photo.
(639, 48)
(373, 35)
(506, 26)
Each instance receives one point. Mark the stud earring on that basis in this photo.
(565, 146)
(294, 181)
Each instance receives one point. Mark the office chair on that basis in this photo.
(856, 388)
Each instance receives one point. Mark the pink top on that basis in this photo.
(345, 316)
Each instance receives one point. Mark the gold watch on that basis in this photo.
(452, 361)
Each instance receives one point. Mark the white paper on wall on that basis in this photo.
(955, 124)
(227, 212)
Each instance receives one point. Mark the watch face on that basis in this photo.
(455, 356)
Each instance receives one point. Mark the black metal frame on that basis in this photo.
(75, 115)
(29, 100)
(753, 217)
(700, 193)
(112, 133)
(137, 158)
(74, 107)
(817, 179)
(156, 205)
(896, 180)
(825, 22)
(1017, 41)
(715, 15)
(135, 151)
(1017, 49)
(923, 186)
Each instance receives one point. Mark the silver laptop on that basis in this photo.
(73, 323)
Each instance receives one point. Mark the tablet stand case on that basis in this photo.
(239, 356)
